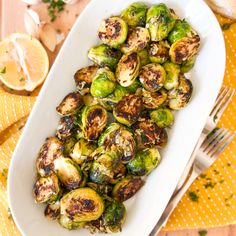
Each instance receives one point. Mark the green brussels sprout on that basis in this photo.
(82, 205)
(70, 104)
(179, 98)
(184, 49)
(144, 162)
(103, 55)
(163, 117)
(113, 31)
(67, 223)
(46, 189)
(84, 77)
(51, 150)
(65, 128)
(127, 69)
(159, 52)
(94, 120)
(102, 189)
(82, 151)
(128, 109)
(127, 188)
(52, 210)
(159, 22)
(153, 100)
(68, 172)
(188, 65)
(103, 83)
(68, 145)
(152, 77)
(135, 14)
(172, 75)
(138, 38)
(134, 86)
(144, 57)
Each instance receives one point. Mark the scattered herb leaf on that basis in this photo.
(4, 172)
(229, 197)
(22, 79)
(222, 181)
(193, 196)
(3, 70)
(54, 7)
(216, 172)
(226, 26)
(203, 176)
(9, 214)
(209, 185)
(202, 233)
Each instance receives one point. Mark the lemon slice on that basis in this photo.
(24, 62)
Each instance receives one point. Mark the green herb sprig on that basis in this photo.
(54, 7)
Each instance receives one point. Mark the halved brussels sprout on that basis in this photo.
(103, 83)
(68, 172)
(67, 223)
(184, 49)
(138, 38)
(126, 188)
(152, 77)
(135, 14)
(172, 75)
(144, 57)
(153, 100)
(94, 120)
(84, 77)
(127, 69)
(65, 128)
(82, 205)
(68, 145)
(51, 150)
(82, 151)
(144, 162)
(160, 22)
(159, 52)
(103, 56)
(89, 100)
(102, 189)
(180, 97)
(163, 117)
(113, 31)
(52, 210)
(128, 109)
(188, 65)
(70, 104)
(46, 189)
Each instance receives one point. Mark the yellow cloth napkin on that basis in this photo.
(213, 195)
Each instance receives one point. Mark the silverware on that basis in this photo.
(208, 152)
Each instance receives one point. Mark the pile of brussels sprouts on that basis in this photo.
(112, 127)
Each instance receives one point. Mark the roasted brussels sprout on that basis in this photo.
(68, 172)
(103, 83)
(163, 117)
(126, 188)
(144, 162)
(160, 22)
(103, 55)
(153, 100)
(144, 57)
(113, 31)
(180, 97)
(68, 145)
(128, 109)
(46, 189)
(82, 151)
(65, 128)
(134, 86)
(94, 120)
(188, 65)
(67, 223)
(127, 69)
(152, 77)
(102, 189)
(137, 40)
(51, 150)
(84, 77)
(52, 210)
(172, 75)
(135, 14)
(70, 104)
(82, 204)
(159, 52)
(184, 49)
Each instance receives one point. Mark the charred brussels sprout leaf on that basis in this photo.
(127, 69)
(172, 75)
(128, 109)
(127, 188)
(102, 189)
(152, 77)
(113, 31)
(52, 210)
(84, 77)
(65, 128)
(159, 52)
(144, 57)
(46, 189)
(94, 120)
(188, 65)
(137, 40)
(67, 223)
(103, 83)
(103, 55)
(82, 204)
(163, 117)
(144, 162)
(135, 14)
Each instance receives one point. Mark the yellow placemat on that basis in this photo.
(213, 195)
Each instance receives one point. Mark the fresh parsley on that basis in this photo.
(226, 26)
(193, 196)
(202, 233)
(54, 7)
(3, 70)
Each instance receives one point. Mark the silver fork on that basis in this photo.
(208, 152)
